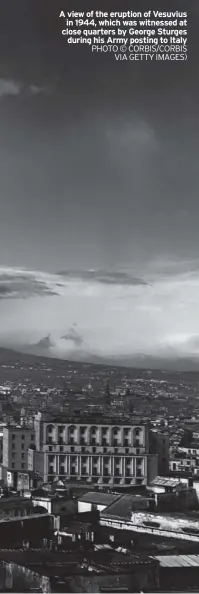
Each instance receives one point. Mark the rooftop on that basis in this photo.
(22, 518)
(73, 563)
(178, 560)
(19, 428)
(164, 481)
(76, 527)
(123, 506)
(89, 418)
(100, 498)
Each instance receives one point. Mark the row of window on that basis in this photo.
(93, 441)
(93, 430)
(95, 459)
(84, 472)
(107, 480)
(32, 437)
(14, 465)
(94, 450)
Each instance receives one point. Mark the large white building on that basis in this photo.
(104, 452)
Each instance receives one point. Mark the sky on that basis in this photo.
(98, 172)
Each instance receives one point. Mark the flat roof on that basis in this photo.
(19, 428)
(165, 481)
(14, 501)
(76, 528)
(90, 419)
(100, 498)
(22, 518)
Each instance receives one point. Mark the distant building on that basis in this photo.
(55, 504)
(176, 526)
(159, 444)
(116, 505)
(178, 573)
(16, 441)
(95, 500)
(104, 451)
(171, 494)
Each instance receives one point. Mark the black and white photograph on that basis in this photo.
(99, 296)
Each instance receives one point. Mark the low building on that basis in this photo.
(30, 529)
(55, 504)
(163, 484)
(96, 500)
(27, 481)
(172, 493)
(92, 572)
(178, 572)
(12, 507)
(78, 528)
(175, 526)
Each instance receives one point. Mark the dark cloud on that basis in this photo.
(102, 170)
(107, 278)
(24, 284)
(99, 171)
(4, 291)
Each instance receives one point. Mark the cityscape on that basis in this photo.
(99, 301)
(100, 476)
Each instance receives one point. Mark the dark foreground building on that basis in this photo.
(73, 572)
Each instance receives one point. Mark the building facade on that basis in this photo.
(16, 441)
(103, 452)
(159, 444)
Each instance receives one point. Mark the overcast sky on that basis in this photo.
(98, 169)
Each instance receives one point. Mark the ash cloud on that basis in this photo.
(116, 321)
